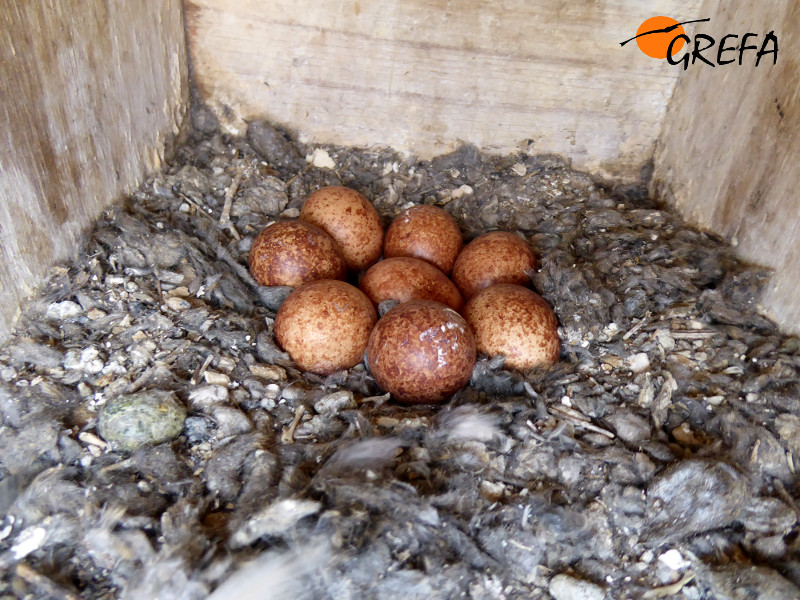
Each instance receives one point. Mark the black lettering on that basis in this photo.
(698, 51)
(685, 58)
(774, 50)
(744, 46)
(722, 49)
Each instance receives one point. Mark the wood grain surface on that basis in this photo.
(421, 76)
(729, 155)
(92, 91)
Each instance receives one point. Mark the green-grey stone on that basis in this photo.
(130, 421)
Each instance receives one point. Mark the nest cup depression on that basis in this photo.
(422, 350)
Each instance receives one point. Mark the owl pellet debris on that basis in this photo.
(658, 456)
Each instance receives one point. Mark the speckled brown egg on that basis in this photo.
(405, 279)
(421, 351)
(293, 253)
(495, 257)
(516, 322)
(350, 219)
(325, 325)
(427, 233)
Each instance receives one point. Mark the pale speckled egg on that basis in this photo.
(495, 257)
(427, 233)
(421, 352)
(350, 219)
(515, 322)
(325, 326)
(293, 253)
(403, 279)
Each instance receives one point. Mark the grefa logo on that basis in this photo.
(664, 37)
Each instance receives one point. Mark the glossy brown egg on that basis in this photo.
(350, 219)
(515, 322)
(427, 233)
(293, 253)
(495, 257)
(421, 352)
(405, 279)
(325, 325)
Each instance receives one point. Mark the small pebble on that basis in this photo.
(272, 391)
(62, 311)
(665, 340)
(629, 427)
(673, 560)
(87, 360)
(207, 396)
(492, 490)
(130, 421)
(464, 190)
(214, 378)
(321, 159)
(519, 169)
(180, 292)
(230, 421)
(564, 587)
(95, 313)
(290, 213)
(268, 372)
(225, 364)
(639, 363)
(335, 402)
(177, 304)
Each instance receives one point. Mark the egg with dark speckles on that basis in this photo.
(404, 278)
(325, 325)
(515, 322)
(421, 352)
(350, 219)
(427, 233)
(293, 253)
(494, 257)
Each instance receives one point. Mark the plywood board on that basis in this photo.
(91, 93)
(729, 157)
(422, 76)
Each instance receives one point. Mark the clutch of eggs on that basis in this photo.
(422, 350)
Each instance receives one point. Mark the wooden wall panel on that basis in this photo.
(729, 155)
(421, 75)
(91, 92)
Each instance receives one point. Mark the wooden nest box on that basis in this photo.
(96, 92)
